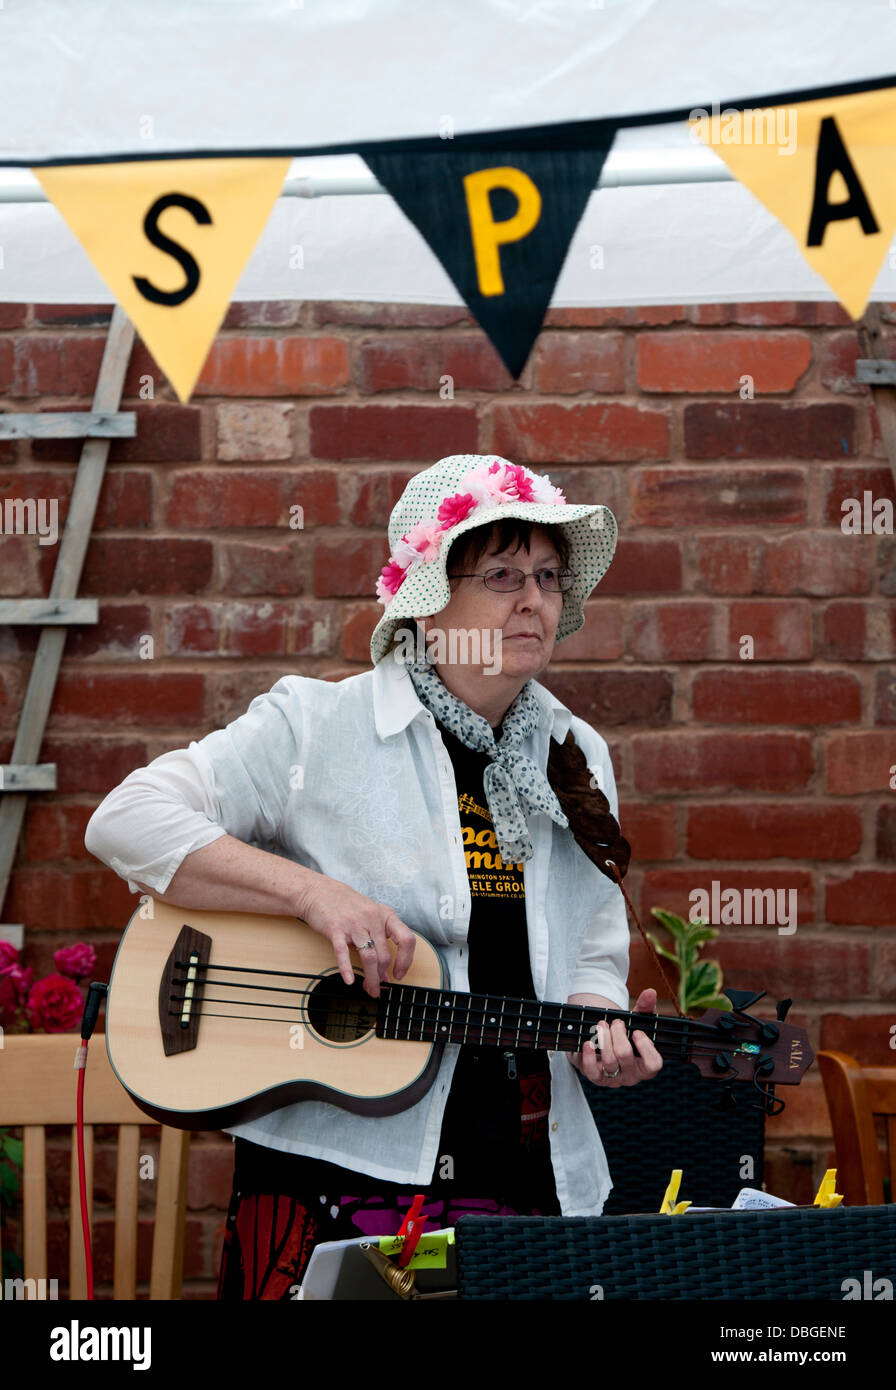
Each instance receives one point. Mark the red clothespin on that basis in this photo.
(412, 1229)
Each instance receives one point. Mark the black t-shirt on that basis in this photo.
(482, 1124)
(498, 940)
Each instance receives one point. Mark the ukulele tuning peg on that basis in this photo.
(783, 1009)
(742, 999)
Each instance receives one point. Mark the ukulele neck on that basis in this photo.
(481, 1020)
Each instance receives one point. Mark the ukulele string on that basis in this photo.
(675, 1026)
(427, 1012)
(657, 1028)
(488, 1041)
(505, 1033)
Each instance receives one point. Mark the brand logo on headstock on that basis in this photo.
(796, 1054)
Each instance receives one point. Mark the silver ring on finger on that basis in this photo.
(368, 946)
(611, 1075)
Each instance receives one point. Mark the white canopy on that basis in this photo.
(186, 77)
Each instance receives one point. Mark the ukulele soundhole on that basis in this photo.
(339, 1012)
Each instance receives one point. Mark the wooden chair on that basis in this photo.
(855, 1095)
(38, 1087)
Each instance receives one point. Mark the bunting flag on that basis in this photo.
(170, 238)
(500, 222)
(825, 169)
(491, 142)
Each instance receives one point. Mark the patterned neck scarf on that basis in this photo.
(513, 784)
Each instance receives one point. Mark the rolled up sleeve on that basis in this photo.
(158, 815)
(234, 781)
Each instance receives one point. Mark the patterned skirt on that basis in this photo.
(494, 1159)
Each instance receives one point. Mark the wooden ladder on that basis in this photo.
(97, 427)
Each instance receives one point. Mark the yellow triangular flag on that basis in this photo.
(825, 169)
(170, 238)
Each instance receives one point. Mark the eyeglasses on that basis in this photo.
(506, 581)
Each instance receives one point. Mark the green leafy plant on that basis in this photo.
(699, 981)
(10, 1183)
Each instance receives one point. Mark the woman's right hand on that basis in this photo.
(347, 918)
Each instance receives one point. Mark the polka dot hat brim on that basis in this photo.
(590, 530)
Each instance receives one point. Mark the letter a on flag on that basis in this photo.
(170, 238)
(825, 169)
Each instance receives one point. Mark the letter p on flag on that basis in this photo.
(487, 234)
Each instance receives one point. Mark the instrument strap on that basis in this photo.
(672, 995)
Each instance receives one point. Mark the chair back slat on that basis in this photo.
(126, 1180)
(855, 1095)
(168, 1246)
(40, 1089)
(77, 1272)
(34, 1200)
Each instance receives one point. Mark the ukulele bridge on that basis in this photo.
(180, 992)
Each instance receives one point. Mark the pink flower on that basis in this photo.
(483, 483)
(390, 581)
(9, 956)
(75, 961)
(518, 483)
(14, 986)
(404, 555)
(456, 509)
(55, 1005)
(425, 538)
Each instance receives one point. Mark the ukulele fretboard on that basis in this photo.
(435, 1015)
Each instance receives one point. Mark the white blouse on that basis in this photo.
(352, 779)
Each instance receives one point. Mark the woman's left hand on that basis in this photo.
(616, 1061)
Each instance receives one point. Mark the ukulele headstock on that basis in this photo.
(735, 1046)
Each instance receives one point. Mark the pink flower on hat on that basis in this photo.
(390, 581)
(425, 538)
(484, 487)
(517, 484)
(456, 509)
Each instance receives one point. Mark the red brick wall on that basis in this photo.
(765, 773)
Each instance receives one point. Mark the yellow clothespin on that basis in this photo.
(826, 1195)
(669, 1205)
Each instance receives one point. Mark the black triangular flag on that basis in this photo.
(500, 221)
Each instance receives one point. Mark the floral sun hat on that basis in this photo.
(464, 491)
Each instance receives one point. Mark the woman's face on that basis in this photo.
(519, 629)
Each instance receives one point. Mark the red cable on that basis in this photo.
(81, 1064)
